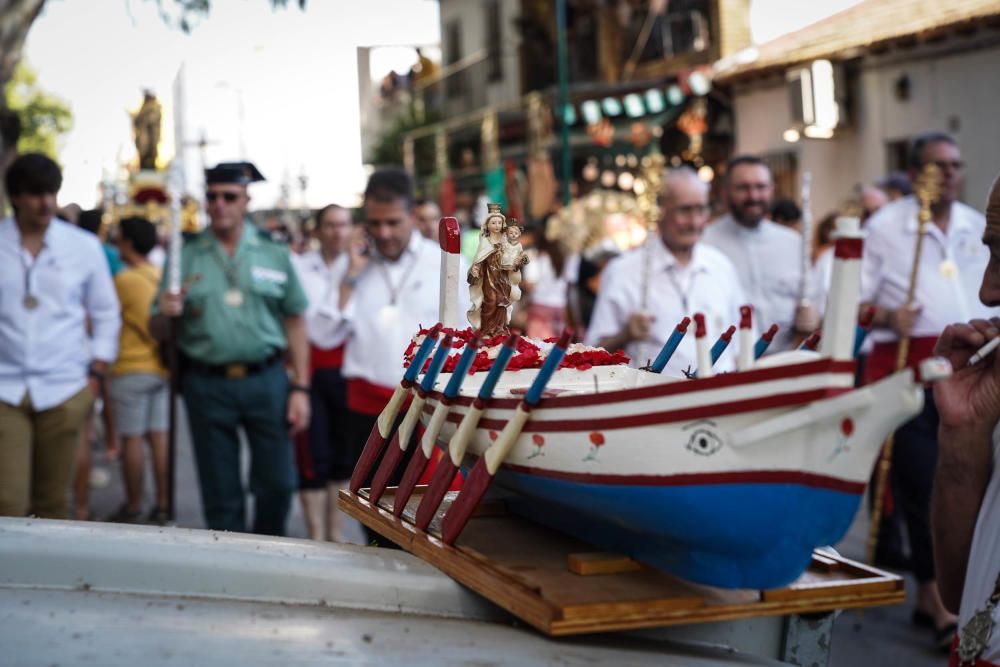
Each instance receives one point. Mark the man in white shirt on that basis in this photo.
(952, 262)
(685, 277)
(966, 505)
(391, 289)
(323, 457)
(767, 256)
(53, 276)
(427, 216)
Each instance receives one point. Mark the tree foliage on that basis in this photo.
(43, 117)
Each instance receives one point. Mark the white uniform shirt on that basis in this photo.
(984, 558)
(951, 266)
(768, 260)
(321, 284)
(45, 351)
(378, 330)
(549, 289)
(708, 284)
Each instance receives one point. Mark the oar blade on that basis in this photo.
(373, 447)
(393, 455)
(473, 490)
(441, 481)
(412, 475)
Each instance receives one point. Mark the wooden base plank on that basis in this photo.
(550, 580)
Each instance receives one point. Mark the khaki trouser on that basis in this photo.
(37, 455)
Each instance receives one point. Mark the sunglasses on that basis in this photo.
(228, 197)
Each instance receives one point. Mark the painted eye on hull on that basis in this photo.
(704, 442)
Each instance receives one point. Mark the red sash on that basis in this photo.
(365, 397)
(331, 358)
(882, 361)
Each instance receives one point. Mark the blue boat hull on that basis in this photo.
(731, 535)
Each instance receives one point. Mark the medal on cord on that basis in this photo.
(388, 315)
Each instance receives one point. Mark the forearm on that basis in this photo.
(616, 341)
(298, 348)
(960, 482)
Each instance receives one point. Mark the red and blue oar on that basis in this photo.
(447, 467)
(421, 457)
(668, 349)
(397, 447)
(865, 323)
(760, 347)
(383, 427)
(489, 463)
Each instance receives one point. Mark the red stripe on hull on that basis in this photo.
(665, 417)
(752, 376)
(701, 479)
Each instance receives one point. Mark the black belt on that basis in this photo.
(234, 370)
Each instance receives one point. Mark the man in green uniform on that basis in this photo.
(241, 307)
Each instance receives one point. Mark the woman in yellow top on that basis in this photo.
(139, 386)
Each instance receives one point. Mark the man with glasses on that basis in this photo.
(646, 292)
(767, 256)
(952, 262)
(241, 308)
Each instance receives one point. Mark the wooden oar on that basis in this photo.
(722, 343)
(812, 342)
(670, 346)
(421, 457)
(383, 427)
(447, 467)
(489, 463)
(401, 440)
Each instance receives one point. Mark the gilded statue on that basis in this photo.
(146, 130)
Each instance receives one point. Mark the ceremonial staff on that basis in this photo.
(648, 202)
(928, 191)
(174, 185)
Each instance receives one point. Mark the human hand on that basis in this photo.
(970, 398)
(171, 303)
(357, 252)
(806, 318)
(902, 320)
(298, 411)
(638, 326)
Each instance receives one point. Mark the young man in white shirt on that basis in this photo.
(952, 262)
(390, 290)
(322, 455)
(685, 277)
(53, 277)
(966, 504)
(767, 256)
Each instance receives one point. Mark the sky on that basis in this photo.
(276, 86)
(293, 73)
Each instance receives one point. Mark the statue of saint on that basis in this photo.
(496, 262)
(146, 130)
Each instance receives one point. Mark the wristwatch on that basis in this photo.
(300, 387)
(96, 374)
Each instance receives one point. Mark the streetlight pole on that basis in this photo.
(562, 103)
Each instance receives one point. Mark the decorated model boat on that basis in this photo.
(727, 479)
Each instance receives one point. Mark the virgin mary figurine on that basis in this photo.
(490, 284)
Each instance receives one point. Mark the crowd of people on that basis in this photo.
(303, 350)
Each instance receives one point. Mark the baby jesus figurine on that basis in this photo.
(512, 259)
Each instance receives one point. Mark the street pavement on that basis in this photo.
(880, 636)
